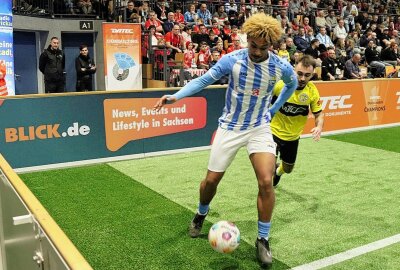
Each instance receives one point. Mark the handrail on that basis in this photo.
(62, 243)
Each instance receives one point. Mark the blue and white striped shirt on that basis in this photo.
(250, 86)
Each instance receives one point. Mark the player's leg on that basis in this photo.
(225, 146)
(277, 163)
(288, 154)
(208, 188)
(264, 164)
(262, 150)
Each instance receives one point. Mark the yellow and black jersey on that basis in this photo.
(288, 123)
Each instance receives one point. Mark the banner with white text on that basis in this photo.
(43, 130)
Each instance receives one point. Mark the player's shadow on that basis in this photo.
(312, 203)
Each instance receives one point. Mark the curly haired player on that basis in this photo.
(245, 120)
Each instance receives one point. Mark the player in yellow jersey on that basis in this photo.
(288, 123)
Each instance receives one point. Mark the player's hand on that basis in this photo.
(316, 133)
(163, 100)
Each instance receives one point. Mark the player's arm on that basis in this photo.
(319, 123)
(290, 80)
(316, 109)
(194, 86)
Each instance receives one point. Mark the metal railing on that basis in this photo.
(60, 8)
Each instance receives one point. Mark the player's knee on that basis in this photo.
(265, 184)
(213, 179)
(210, 182)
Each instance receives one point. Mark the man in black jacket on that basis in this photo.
(300, 40)
(52, 65)
(331, 68)
(390, 55)
(374, 61)
(85, 68)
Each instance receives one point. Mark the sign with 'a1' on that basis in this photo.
(86, 25)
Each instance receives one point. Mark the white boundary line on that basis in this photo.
(108, 159)
(351, 130)
(168, 152)
(349, 254)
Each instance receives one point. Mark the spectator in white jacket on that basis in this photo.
(339, 31)
(324, 38)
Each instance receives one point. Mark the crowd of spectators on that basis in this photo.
(359, 32)
(343, 36)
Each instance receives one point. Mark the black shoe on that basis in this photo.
(263, 252)
(196, 224)
(277, 178)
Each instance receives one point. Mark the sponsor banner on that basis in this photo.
(7, 83)
(122, 56)
(114, 125)
(134, 119)
(356, 104)
(45, 130)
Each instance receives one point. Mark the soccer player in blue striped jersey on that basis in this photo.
(245, 120)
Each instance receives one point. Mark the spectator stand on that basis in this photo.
(94, 9)
(164, 68)
(32, 8)
(170, 70)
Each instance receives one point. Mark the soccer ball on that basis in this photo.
(224, 237)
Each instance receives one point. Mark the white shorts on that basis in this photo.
(228, 142)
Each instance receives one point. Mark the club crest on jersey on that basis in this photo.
(303, 97)
(255, 92)
(272, 81)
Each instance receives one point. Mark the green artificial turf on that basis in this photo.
(322, 208)
(383, 138)
(118, 223)
(134, 214)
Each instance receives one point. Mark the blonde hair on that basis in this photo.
(260, 25)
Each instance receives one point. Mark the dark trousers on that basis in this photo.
(54, 87)
(84, 85)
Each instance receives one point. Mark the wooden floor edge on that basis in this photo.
(62, 243)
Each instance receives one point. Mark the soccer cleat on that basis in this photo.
(263, 252)
(196, 224)
(277, 178)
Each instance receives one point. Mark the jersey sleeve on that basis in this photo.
(288, 75)
(195, 86)
(222, 67)
(290, 80)
(316, 104)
